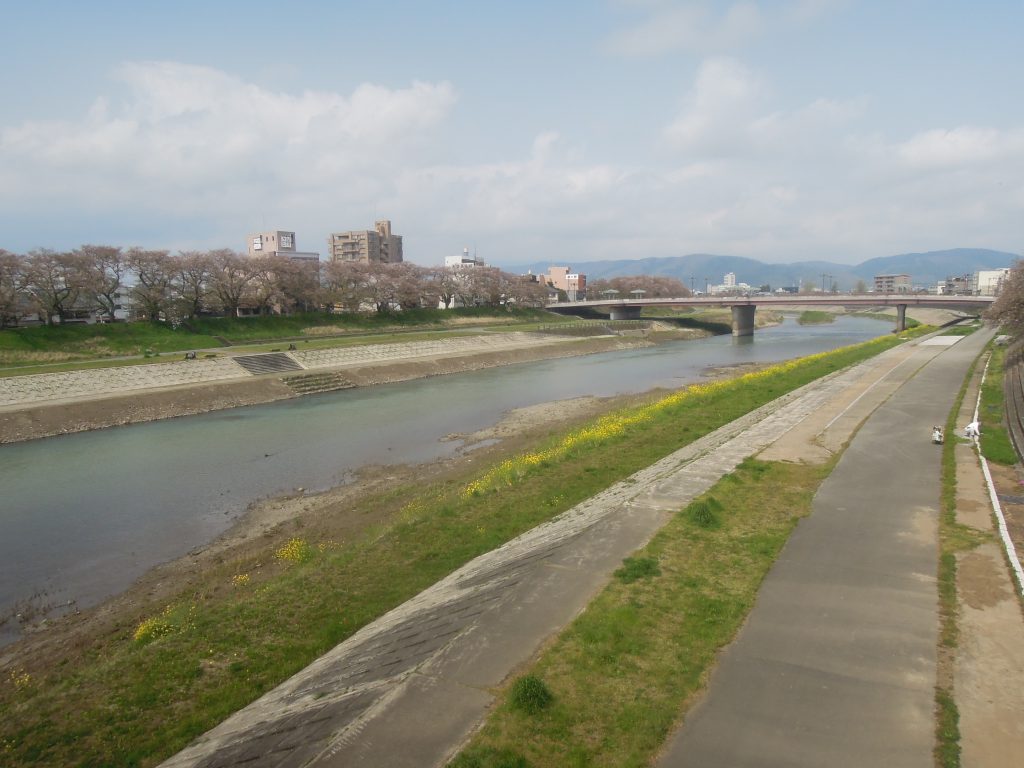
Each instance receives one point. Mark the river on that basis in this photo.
(83, 515)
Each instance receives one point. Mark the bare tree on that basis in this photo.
(349, 285)
(190, 281)
(11, 272)
(265, 285)
(299, 282)
(653, 286)
(154, 275)
(1008, 308)
(525, 291)
(410, 284)
(230, 275)
(104, 269)
(53, 282)
(442, 283)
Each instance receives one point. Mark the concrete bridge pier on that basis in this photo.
(901, 318)
(743, 320)
(625, 313)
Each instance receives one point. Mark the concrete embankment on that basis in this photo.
(60, 403)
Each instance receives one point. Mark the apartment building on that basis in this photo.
(368, 246)
(278, 243)
(892, 284)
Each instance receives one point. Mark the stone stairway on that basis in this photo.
(272, 362)
(308, 383)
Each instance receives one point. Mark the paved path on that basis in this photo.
(407, 689)
(836, 663)
(20, 391)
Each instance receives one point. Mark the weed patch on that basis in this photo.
(636, 568)
(529, 695)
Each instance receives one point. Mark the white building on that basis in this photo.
(989, 281)
(278, 243)
(463, 261)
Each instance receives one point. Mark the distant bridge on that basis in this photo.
(743, 307)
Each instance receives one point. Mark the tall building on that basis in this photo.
(564, 279)
(278, 243)
(369, 246)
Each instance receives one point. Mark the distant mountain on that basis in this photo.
(693, 270)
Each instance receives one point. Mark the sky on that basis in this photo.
(785, 130)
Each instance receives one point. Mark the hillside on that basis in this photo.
(696, 268)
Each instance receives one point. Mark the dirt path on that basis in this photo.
(988, 667)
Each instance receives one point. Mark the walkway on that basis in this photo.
(836, 663)
(407, 689)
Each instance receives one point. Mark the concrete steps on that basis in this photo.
(309, 383)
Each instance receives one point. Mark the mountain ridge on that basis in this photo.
(697, 269)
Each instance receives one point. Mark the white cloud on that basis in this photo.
(959, 147)
(725, 98)
(198, 157)
(183, 127)
(688, 26)
(711, 28)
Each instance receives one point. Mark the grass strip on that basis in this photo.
(620, 675)
(41, 346)
(250, 624)
(995, 439)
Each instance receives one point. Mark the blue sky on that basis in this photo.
(572, 131)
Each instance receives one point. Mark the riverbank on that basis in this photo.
(66, 416)
(242, 605)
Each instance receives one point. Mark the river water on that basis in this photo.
(82, 516)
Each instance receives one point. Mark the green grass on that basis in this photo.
(996, 445)
(622, 673)
(63, 343)
(116, 701)
(70, 347)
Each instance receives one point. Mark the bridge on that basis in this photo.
(744, 307)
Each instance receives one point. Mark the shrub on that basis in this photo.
(530, 695)
(704, 512)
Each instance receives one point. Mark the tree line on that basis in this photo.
(97, 279)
